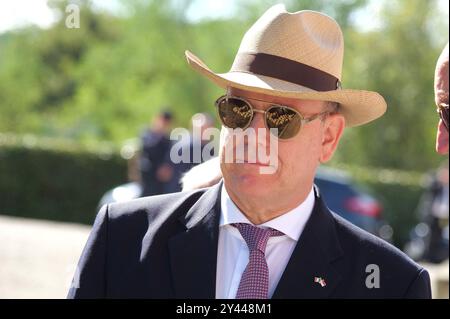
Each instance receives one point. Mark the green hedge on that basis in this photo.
(61, 180)
(56, 179)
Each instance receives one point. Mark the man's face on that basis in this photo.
(297, 157)
(441, 96)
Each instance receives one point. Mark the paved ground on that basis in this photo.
(439, 279)
(38, 259)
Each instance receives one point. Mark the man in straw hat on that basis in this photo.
(257, 235)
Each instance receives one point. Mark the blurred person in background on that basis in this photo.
(429, 239)
(199, 139)
(194, 147)
(441, 99)
(155, 171)
(436, 213)
(438, 209)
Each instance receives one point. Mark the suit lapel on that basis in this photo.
(310, 272)
(193, 253)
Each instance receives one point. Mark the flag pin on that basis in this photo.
(320, 281)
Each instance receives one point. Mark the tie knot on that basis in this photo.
(256, 237)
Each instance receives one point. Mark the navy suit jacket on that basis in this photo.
(166, 247)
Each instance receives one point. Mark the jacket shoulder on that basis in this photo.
(399, 274)
(371, 245)
(131, 221)
(153, 206)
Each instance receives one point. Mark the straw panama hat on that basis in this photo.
(295, 55)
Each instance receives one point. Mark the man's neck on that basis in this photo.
(259, 210)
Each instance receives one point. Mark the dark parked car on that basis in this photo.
(353, 202)
(342, 196)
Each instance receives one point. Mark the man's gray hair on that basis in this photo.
(331, 107)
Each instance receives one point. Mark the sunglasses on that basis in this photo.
(236, 112)
(443, 113)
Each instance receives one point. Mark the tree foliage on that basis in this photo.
(105, 80)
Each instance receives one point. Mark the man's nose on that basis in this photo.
(258, 125)
(258, 120)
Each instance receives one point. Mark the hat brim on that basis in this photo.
(357, 106)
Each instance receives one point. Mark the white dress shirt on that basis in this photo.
(233, 253)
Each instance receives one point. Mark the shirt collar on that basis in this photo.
(291, 223)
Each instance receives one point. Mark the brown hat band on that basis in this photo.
(286, 70)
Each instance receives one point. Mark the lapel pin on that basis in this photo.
(320, 281)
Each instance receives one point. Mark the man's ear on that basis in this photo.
(333, 128)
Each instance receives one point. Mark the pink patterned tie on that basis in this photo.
(255, 278)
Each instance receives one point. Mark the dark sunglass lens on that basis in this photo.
(444, 116)
(235, 113)
(287, 121)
